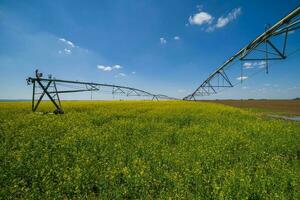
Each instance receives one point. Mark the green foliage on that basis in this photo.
(147, 150)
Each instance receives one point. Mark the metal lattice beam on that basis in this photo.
(48, 87)
(290, 22)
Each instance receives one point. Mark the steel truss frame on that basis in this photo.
(49, 88)
(290, 22)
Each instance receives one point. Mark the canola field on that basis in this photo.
(147, 150)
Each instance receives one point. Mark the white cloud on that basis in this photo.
(200, 18)
(133, 72)
(242, 78)
(67, 51)
(122, 74)
(105, 68)
(117, 67)
(109, 68)
(223, 21)
(248, 65)
(162, 40)
(69, 43)
(261, 64)
(62, 39)
(176, 38)
(69, 46)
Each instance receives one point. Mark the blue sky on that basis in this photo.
(161, 46)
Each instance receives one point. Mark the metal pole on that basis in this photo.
(56, 93)
(285, 41)
(33, 96)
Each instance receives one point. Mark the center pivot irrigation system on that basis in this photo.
(50, 87)
(219, 79)
(263, 44)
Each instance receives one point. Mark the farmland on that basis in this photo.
(290, 107)
(147, 150)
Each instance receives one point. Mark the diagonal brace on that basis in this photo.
(58, 108)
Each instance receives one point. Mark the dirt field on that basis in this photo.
(291, 107)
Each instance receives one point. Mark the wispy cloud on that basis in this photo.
(176, 38)
(62, 39)
(67, 42)
(133, 72)
(251, 65)
(120, 75)
(223, 21)
(109, 68)
(105, 68)
(117, 67)
(261, 64)
(241, 78)
(65, 51)
(248, 65)
(70, 43)
(204, 18)
(162, 40)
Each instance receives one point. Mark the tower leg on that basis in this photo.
(58, 107)
(33, 96)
